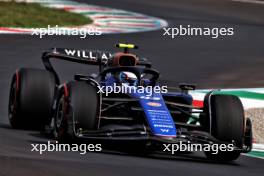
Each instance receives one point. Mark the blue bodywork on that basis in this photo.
(156, 112)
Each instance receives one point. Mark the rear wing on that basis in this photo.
(89, 57)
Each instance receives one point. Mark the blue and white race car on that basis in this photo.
(124, 103)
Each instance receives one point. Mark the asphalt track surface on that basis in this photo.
(235, 61)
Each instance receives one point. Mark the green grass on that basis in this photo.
(33, 15)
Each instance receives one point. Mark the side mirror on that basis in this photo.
(186, 87)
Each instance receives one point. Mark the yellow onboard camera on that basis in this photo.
(126, 46)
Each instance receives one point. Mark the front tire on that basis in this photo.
(227, 123)
(77, 110)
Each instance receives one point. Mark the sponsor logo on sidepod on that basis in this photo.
(154, 104)
(149, 98)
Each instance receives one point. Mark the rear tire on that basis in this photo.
(31, 98)
(227, 123)
(77, 110)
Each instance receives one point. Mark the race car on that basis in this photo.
(84, 108)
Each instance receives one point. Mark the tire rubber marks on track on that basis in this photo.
(250, 1)
(108, 20)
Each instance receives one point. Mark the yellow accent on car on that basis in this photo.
(122, 45)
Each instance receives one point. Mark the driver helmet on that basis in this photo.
(128, 78)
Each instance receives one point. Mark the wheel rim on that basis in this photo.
(59, 120)
(12, 106)
(59, 115)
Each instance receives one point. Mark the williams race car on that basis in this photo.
(83, 108)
